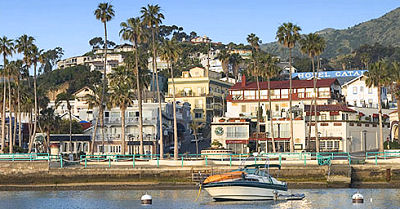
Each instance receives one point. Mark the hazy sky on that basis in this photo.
(70, 24)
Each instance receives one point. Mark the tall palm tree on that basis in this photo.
(378, 76)
(12, 69)
(235, 60)
(312, 45)
(16, 75)
(152, 18)
(170, 52)
(271, 71)
(223, 56)
(104, 13)
(23, 45)
(395, 80)
(94, 100)
(34, 54)
(7, 49)
(256, 71)
(121, 81)
(66, 97)
(288, 34)
(132, 30)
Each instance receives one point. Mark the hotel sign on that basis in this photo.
(330, 74)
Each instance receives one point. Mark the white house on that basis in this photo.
(358, 94)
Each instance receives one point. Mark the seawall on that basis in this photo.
(39, 175)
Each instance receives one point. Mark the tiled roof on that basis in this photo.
(285, 84)
(326, 108)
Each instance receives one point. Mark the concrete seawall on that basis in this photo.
(39, 175)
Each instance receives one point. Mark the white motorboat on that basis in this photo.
(252, 182)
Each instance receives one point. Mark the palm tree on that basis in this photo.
(104, 13)
(66, 96)
(16, 75)
(170, 52)
(132, 30)
(121, 81)
(23, 45)
(152, 18)
(271, 70)
(223, 56)
(254, 41)
(94, 100)
(287, 35)
(395, 80)
(34, 54)
(378, 76)
(312, 45)
(49, 121)
(7, 49)
(13, 70)
(235, 59)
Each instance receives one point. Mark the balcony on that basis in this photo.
(130, 121)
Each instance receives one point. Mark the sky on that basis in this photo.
(70, 24)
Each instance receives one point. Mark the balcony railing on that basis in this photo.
(129, 120)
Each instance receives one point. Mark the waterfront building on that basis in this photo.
(112, 130)
(340, 129)
(358, 94)
(242, 99)
(204, 91)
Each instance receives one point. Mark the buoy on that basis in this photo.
(146, 199)
(357, 198)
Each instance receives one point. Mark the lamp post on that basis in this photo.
(364, 136)
(319, 138)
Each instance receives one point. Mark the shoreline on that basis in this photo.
(175, 186)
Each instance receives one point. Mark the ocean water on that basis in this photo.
(176, 199)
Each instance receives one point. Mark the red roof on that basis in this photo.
(285, 84)
(327, 108)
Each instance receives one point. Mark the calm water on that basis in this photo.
(315, 198)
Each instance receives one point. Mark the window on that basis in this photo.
(329, 144)
(236, 132)
(336, 145)
(323, 116)
(369, 90)
(198, 115)
(243, 108)
(355, 90)
(361, 89)
(322, 144)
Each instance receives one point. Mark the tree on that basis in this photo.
(50, 58)
(152, 18)
(66, 97)
(132, 30)
(378, 76)
(121, 81)
(235, 60)
(34, 54)
(23, 45)
(288, 35)
(7, 49)
(16, 76)
(94, 100)
(104, 13)
(170, 52)
(395, 80)
(49, 121)
(96, 42)
(313, 45)
(271, 70)
(256, 71)
(223, 56)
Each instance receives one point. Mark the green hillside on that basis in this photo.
(384, 30)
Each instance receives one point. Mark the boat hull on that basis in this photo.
(244, 191)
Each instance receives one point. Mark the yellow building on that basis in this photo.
(205, 93)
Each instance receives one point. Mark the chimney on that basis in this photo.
(243, 81)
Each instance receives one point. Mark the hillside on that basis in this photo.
(384, 30)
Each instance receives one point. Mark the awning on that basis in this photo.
(361, 114)
(137, 143)
(237, 141)
(334, 113)
(375, 115)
